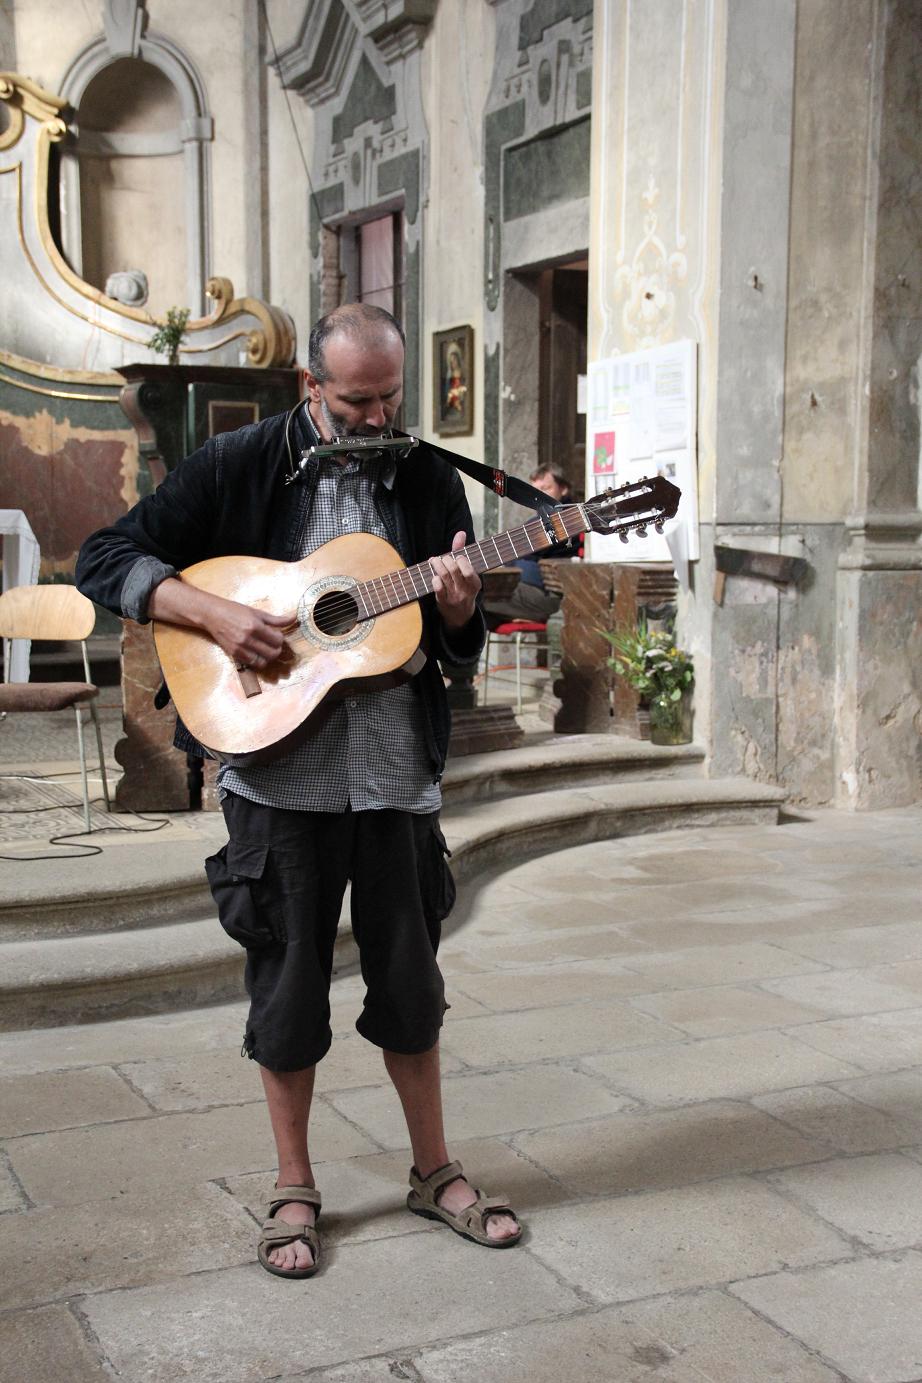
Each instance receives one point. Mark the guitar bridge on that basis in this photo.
(249, 681)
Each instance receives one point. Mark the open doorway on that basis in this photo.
(563, 305)
(544, 353)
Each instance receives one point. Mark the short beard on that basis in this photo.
(338, 429)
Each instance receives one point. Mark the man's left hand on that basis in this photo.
(455, 584)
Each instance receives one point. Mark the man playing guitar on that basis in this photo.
(358, 798)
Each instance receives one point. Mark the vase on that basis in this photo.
(671, 721)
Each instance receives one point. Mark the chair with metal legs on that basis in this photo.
(514, 630)
(54, 613)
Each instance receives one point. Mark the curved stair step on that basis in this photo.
(157, 883)
(67, 979)
(565, 761)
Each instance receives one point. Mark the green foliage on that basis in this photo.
(167, 339)
(650, 662)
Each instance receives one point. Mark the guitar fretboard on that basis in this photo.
(411, 583)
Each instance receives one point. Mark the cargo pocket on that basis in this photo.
(235, 875)
(436, 884)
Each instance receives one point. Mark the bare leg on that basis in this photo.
(417, 1081)
(289, 1095)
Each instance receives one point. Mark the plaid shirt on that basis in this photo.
(370, 752)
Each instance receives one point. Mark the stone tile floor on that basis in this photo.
(694, 1061)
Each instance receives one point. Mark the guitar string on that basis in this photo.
(347, 602)
(343, 602)
(373, 593)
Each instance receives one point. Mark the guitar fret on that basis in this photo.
(413, 571)
(399, 587)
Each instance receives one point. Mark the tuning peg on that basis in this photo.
(658, 526)
(641, 530)
(623, 537)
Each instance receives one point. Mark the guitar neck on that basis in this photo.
(411, 583)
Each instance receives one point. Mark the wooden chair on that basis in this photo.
(54, 613)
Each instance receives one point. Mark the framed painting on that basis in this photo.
(453, 381)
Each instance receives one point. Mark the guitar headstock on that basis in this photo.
(636, 506)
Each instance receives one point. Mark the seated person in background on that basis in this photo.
(530, 600)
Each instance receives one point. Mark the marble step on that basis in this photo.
(189, 961)
(153, 881)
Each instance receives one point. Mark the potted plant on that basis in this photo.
(662, 675)
(167, 339)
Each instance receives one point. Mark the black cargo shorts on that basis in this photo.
(279, 885)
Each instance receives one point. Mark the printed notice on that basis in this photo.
(642, 421)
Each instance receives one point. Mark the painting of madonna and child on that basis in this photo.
(453, 380)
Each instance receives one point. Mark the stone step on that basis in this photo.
(68, 979)
(156, 883)
(141, 882)
(563, 761)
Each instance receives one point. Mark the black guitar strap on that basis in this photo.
(506, 486)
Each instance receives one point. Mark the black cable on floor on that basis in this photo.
(86, 850)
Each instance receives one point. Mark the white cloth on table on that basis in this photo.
(20, 568)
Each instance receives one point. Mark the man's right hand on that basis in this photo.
(250, 637)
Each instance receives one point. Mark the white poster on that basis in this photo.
(642, 421)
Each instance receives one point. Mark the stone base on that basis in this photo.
(482, 729)
(155, 777)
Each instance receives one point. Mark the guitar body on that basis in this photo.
(254, 716)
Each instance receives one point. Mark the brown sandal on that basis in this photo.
(277, 1233)
(471, 1222)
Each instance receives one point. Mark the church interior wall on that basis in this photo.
(257, 222)
(286, 134)
(752, 188)
(742, 189)
(456, 65)
(658, 111)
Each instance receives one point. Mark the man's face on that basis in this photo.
(549, 485)
(363, 389)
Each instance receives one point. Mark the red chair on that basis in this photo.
(515, 630)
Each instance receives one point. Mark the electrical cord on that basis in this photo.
(65, 837)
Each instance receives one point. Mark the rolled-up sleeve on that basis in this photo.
(145, 575)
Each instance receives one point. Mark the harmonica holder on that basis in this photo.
(354, 446)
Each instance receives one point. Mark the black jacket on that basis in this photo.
(230, 498)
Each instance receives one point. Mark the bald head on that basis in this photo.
(362, 325)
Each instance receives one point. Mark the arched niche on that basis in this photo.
(141, 134)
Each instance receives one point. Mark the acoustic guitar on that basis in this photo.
(356, 622)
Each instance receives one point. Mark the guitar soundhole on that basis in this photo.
(336, 612)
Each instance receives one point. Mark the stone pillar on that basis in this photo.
(879, 670)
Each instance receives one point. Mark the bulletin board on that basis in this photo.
(642, 421)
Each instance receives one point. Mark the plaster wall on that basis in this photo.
(257, 221)
(826, 276)
(536, 129)
(878, 691)
(286, 135)
(456, 63)
(656, 199)
(70, 458)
